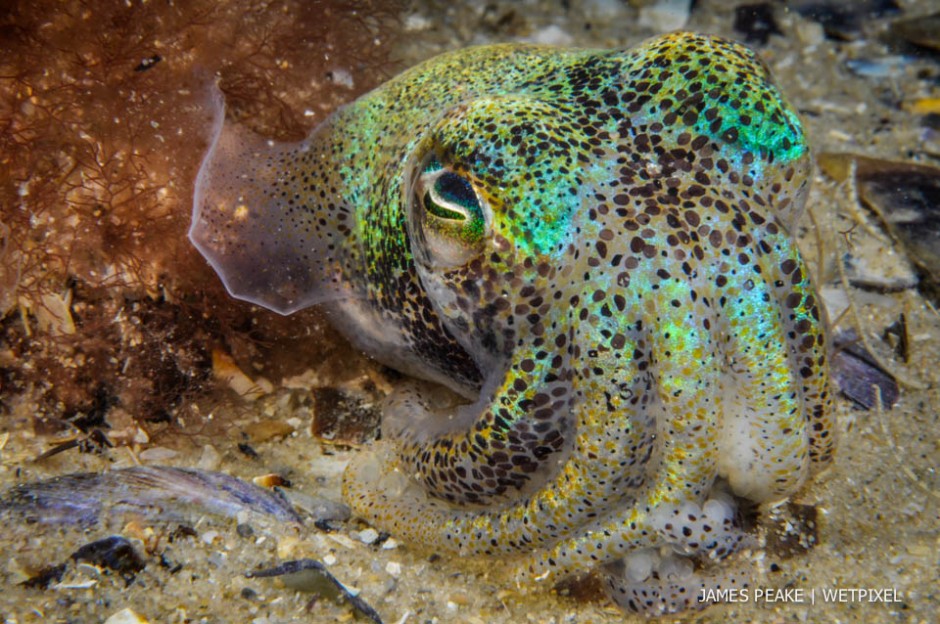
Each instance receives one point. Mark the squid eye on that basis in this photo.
(452, 197)
(449, 213)
(448, 195)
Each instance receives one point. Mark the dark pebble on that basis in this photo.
(842, 20)
(756, 22)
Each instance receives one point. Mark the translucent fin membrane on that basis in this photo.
(260, 220)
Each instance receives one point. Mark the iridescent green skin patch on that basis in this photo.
(592, 248)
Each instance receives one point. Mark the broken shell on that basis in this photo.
(126, 616)
(270, 480)
(905, 196)
(265, 430)
(154, 492)
(227, 371)
(311, 576)
(923, 30)
(858, 374)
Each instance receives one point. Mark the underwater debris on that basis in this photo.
(884, 67)
(225, 370)
(157, 493)
(756, 22)
(148, 63)
(344, 417)
(896, 333)
(923, 30)
(905, 197)
(872, 264)
(95, 441)
(858, 374)
(312, 577)
(844, 20)
(46, 577)
(268, 429)
(792, 529)
(113, 553)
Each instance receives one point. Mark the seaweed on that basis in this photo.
(104, 119)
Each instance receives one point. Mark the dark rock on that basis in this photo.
(923, 30)
(113, 553)
(756, 22)
(792, 529)
(844, 20)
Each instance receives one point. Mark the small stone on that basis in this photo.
(393, 568)
(342, 77)
(265, 430)
(244, 530)
(416, 22)
(157, 455)
(342, 540)
(210, 459)
(460, 599)
(114, 553)
(318, 507)
(551, 35)
(126, 616)
(810, 33)
(666, 15)
(368, 536)
(882, 67)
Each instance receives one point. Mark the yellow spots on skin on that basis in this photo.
(664, 388)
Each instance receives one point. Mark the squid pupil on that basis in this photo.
(455, 190)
